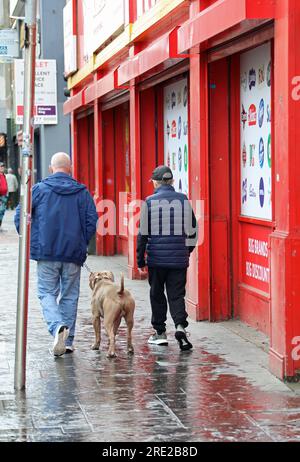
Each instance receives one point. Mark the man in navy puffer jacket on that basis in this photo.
(168, 235)
(64, 219)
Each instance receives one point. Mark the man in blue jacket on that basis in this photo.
(168, 235)
(64, 219)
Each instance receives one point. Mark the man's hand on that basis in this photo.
(143, 271)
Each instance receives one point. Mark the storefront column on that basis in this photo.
(198, 299)
(135, 166)
(74, 145)
(285, 241)
(198, 290)
(98, 169)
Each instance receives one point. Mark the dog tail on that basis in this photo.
(121, 291)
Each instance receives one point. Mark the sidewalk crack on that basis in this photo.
(171, 413)
(85, 416)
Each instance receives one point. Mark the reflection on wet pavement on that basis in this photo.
(160, 394)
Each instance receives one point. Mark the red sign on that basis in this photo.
(255, 256)
(252, 116)
(174, 129)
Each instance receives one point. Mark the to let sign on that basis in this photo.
(45, 107)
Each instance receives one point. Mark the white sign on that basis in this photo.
(88, 26)
(70, 40)
(9, 45)
(176, 133)
(256, 158)
(109, 17)
(17, 8)
(45, 108)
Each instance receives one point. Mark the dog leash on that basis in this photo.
(87, 268)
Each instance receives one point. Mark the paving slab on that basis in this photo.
(220, 391)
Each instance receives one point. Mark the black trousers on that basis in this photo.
(175, 281)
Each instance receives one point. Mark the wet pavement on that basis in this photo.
(220, 391)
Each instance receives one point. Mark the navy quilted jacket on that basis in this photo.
(167, 222)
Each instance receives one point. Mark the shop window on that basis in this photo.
(176, 133)
(256, 163)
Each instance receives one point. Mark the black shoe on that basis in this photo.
(69, 349)
(181, 338)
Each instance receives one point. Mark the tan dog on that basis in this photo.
(112, 303)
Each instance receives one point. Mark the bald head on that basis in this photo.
(61, 162)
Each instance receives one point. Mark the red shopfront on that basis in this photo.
(86, 150)
(240, 111)
(239, 257)
(241, 183)
(101, 160)
(246, 266)
(117, 178)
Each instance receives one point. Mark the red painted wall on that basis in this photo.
(86, 152)
(219, 190)
(116, 154)
(109, 169)
(152, 150)
(123, 177)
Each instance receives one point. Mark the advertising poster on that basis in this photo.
(45, 108)
(256, 158)
(176, 133)
(255, 256)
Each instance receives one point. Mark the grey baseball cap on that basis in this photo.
(162, 172)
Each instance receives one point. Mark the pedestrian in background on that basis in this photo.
(167, 223)
(64, 219)
(13, 186)
(3, 193)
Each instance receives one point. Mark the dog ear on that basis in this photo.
(107, 275)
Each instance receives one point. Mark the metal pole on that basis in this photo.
(25, 199)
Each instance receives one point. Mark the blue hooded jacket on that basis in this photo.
(64, 219)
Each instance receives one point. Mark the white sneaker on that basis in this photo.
(156, 339)
(69, 349)
(59, 346)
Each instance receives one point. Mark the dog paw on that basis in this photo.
(95, 346)
(111, 355)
